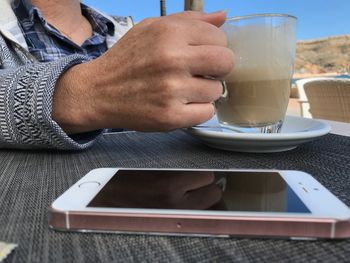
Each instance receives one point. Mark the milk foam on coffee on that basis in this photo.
(259, 86)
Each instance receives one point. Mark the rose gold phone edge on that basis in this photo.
(203, 225)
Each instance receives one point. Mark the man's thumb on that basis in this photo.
(215, 18)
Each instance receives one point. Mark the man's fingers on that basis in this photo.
(205, 34)
(201, 90)
(213, 61)
(216, 18)
(196, 113)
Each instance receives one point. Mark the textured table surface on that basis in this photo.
(31, 180)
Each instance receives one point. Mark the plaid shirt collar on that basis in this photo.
(46, 43)
(28, 14)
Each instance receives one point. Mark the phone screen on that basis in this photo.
(199, 190)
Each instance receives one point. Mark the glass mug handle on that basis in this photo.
(224, 89)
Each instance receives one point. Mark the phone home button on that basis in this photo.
(89, 184)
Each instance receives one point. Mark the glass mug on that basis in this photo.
(258, 88)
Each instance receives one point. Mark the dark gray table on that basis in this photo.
(31, 180)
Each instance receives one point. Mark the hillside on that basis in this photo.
(324, 55)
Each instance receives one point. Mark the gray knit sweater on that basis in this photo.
(27, 86)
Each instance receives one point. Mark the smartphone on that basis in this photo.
(260, 203)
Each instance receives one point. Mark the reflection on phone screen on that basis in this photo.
(199, 190)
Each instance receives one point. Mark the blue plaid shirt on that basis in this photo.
(46, 43)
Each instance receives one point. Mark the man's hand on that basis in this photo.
(156, 78)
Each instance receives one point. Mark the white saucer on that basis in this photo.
(295, 131)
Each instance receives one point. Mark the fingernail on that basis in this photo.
(220, 11)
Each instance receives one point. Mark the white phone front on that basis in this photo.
(202, 202)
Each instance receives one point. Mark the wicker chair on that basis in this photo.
(328, 98)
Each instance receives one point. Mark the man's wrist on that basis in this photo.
(72, 106)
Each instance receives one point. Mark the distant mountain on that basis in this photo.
(324, 55)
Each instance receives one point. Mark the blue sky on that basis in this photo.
(316, 18)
